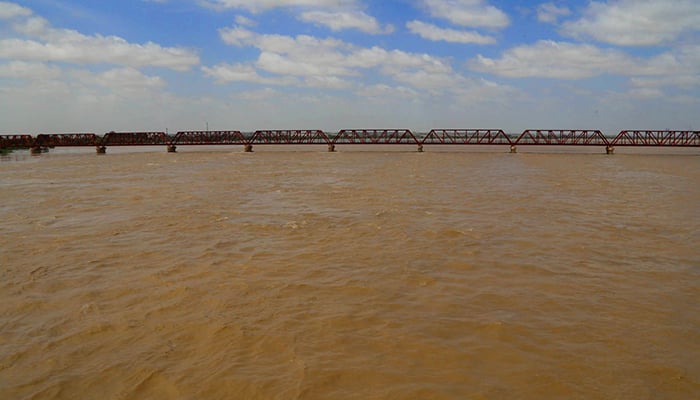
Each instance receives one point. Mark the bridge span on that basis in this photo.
(451, 137)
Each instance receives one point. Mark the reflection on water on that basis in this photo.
(355, 274)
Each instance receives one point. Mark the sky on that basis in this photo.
(173, 65)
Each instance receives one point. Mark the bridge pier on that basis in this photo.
(609, 150)
(420, 148)
(248, 148)
(101, 149)
(513, 149)
(35, 150)
(172, 148)
(331, 148)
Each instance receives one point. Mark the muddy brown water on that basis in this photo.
(352, 275)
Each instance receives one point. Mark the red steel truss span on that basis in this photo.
(466, 136)
(289, 137)
(375, 136)
(658, 138)
(567, 137)
(529, 137)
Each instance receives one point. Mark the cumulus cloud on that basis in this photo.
(11, 10)
(683, 60)
(225, 72)
(564, 60)
(334, 64)
(29, 70)
(434, 33)
(126, 78)
(340, 20)
(326, 63)
(245, 21)
(550, 59)
(382, 90)
(687, 82)
(636, 22)
(429, 81)
(291, 64)
(262, 5)
(45, 43)
(472, 13)
(550, 13)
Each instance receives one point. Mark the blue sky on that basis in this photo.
(96, 66)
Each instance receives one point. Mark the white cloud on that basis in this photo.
(224, 73)
(677, 68)
(11, 10)
(434, 33)
(339, 20)
(98, 49)
(327, 82)
(334, 64)
(473, 13)
(258, 95)
(262, 5)
(550, 13)
(29, 70)
(326, 63)
(636, 22)
(244, 21)
(127, 78)
(687, 82)
(241, 37)
(119, 81)
(683, 60)
(291, 64)
(425, 80)
(244, 73)
(550, 59)
(385, 91)
(66, 45)
(563, 60)
(237, 36)
(394, 61)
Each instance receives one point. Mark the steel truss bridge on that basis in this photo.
(529, 137)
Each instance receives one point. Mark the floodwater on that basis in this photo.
(351, 275)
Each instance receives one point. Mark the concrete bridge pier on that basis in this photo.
(331, 148)
(101, 149)
(513, 149)
(420, 148)
(609, 150)
(248, 148)
(35, 150)
(172, 148)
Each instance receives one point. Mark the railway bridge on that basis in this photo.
(449, 137)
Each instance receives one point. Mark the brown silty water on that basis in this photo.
(352, 275)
